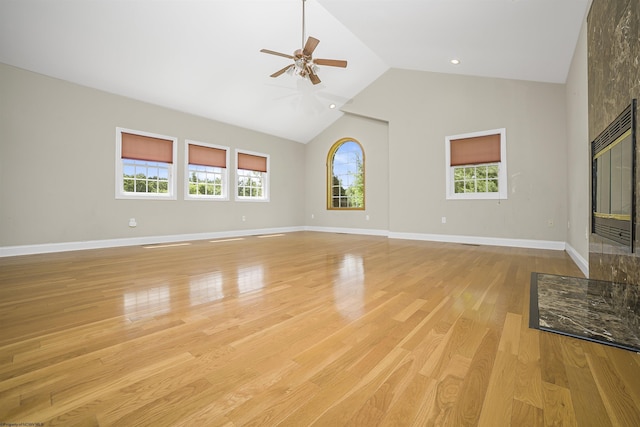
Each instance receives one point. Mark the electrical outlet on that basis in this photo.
(444, 219)
(244, 218)
(550, 223)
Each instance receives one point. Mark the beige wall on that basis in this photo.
(578, 156)
(57, 172)
(57, 149)
(423, 108)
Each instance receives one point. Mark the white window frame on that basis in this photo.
(225, 173)
(502, 168)
(171, 190)
(265, 179)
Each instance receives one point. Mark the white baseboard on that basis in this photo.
(475, 240)
(7, 251)
(364, 231)
(582, 263)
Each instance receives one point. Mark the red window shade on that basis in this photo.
(138, 147)
(475, 150)
(252, 163)
(207, 156)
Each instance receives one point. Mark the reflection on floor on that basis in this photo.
(594, 310)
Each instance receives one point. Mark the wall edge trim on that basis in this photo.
(8, 251)
(344, 230)
(477, 240)
(582, 263)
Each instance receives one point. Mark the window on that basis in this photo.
(476, 165)
(207, 175)
(252, 176)
(145, 167)
(345, 175)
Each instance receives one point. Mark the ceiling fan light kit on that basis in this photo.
(304, 65)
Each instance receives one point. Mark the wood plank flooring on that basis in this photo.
(298, 329)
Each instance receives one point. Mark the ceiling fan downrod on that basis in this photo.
(303, 26)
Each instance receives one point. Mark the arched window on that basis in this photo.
(345, 175)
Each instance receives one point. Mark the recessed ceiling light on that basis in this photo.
(455, 61)
(332, 106)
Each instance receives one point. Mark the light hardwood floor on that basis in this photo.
(298, 329)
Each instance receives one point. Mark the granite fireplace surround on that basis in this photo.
(613, 55)
(606, 306)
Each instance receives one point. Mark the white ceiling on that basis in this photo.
(202, 56)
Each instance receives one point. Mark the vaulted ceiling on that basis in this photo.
(203, 56)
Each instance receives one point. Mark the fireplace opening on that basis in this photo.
(613, 169)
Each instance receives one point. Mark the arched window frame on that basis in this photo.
(330, 169)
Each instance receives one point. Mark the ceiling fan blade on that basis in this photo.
(310, 46)
(331, 62)
(282, 71)
(271, 52)
(313, 77)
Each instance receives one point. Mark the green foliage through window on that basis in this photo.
(205, 181)
(346, 169)
(476, 178)
(145, 177)
(250, 184)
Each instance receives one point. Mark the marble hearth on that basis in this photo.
(589, 309)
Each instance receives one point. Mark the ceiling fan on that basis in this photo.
(304, 64)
